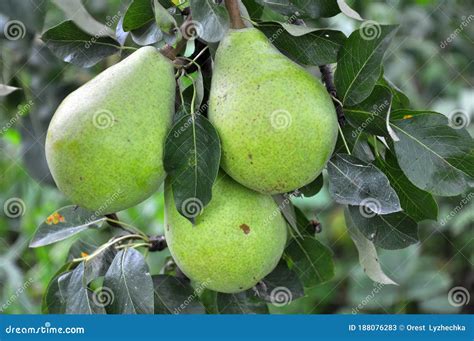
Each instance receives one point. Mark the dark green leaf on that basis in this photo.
(313, 187)
(287, 210)
(370, 115)
(53, 302)
(129, 282)
(176, 296)
(356, 182)
(246, 302)
(281, 286)
(309, 47)
(254, 9)
(212, 19)
(71, 44)
(304, 225)
(391, 231)
(80, 300)
(368, 258)
(360, 61)
(147, 34)
(416, 203)
(30, 13)
(64, 223)
(192, 156)
(434, 156)
(399, 99)
(311, 260)
(139, 13)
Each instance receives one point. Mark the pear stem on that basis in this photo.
(236, 21)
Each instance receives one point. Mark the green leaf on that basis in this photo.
(416, 203)
(139, 13)
(348, 11)
(313, 187)
(192, 156)
(390, 231)
(399, 99)
(53, 302)
(163, 18)
(311, 260)
(131, 285)
(68, 42)
(80, 299)
(434, 156)
(246, 302)
(287, 210)
(313, 9)
(360, 61)
(147, 34)
(176, 296)
(281, 286)
(64, 223)
(356, 182)
(368, 258)
(308, 46)
(77, 12)
(370, 115)
(212, 20)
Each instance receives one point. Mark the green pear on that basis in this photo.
(277, 123)
(105, 142)
(236, 241)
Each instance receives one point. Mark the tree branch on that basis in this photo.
(326, 75)
(236, 21)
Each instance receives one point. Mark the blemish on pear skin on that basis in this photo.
(245, 228)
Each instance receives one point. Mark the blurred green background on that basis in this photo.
(434, 70)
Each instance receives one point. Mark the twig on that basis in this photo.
(171, 52)
(157, 243)
(234, 14)
(326, 75)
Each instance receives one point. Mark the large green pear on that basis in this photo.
(277, 123)
(105, 142)
(236, 241)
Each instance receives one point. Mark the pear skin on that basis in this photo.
(105, 143)
(277, 123)
(236, 241)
